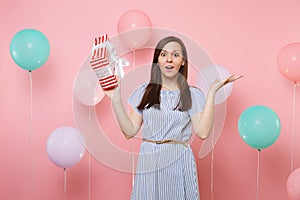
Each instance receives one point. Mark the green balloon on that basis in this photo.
(259, 126)
(29, 49)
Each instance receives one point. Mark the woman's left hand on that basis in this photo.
(217, 84)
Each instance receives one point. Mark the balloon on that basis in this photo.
(259, 126)
(288, 61)
(65, 147)
(293, 185)
(210, 74)
(139, 26)
(29, 49)
(87, 89)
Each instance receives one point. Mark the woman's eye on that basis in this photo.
(176, 54)
(163, 54)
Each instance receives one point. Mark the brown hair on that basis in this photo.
(151, 96)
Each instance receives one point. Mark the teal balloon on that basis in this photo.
(29, 49)
(259, 126)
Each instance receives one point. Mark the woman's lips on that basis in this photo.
(169, 67)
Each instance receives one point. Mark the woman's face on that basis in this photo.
(170, 60)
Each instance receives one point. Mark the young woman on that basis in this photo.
(167, 108)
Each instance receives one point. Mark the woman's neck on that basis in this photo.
(169, 84)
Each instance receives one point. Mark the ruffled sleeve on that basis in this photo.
(136, 97)
(198, 101)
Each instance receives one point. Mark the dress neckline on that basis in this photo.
(174, 90)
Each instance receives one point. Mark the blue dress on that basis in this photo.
(166, 171)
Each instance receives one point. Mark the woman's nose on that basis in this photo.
(169, 57)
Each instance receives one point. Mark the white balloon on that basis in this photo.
(65, 146)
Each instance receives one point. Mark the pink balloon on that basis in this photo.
(293, 185)
(288, 61)
(87, 89)
(134, 28)
(65, 147)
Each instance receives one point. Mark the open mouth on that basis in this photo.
(169, 67)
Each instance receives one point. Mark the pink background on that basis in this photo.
(243, 36)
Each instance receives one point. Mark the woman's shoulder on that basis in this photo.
(140, 89)
(195, 89)
(197, 93)
(198, 100)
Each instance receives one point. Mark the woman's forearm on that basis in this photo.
(127, 126)
(205, 122)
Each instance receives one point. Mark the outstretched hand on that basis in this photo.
(231, 79)
(217, 84)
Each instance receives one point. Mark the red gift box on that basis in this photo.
(100, 64)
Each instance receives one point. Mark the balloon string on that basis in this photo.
(293, 126)
(133, 163)
(212, 167)
(89, 192)
(133, 170)
(65, 183)
(257, 173)
(89, 157)
(133, 58)
(31, 112)
(30, 129)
